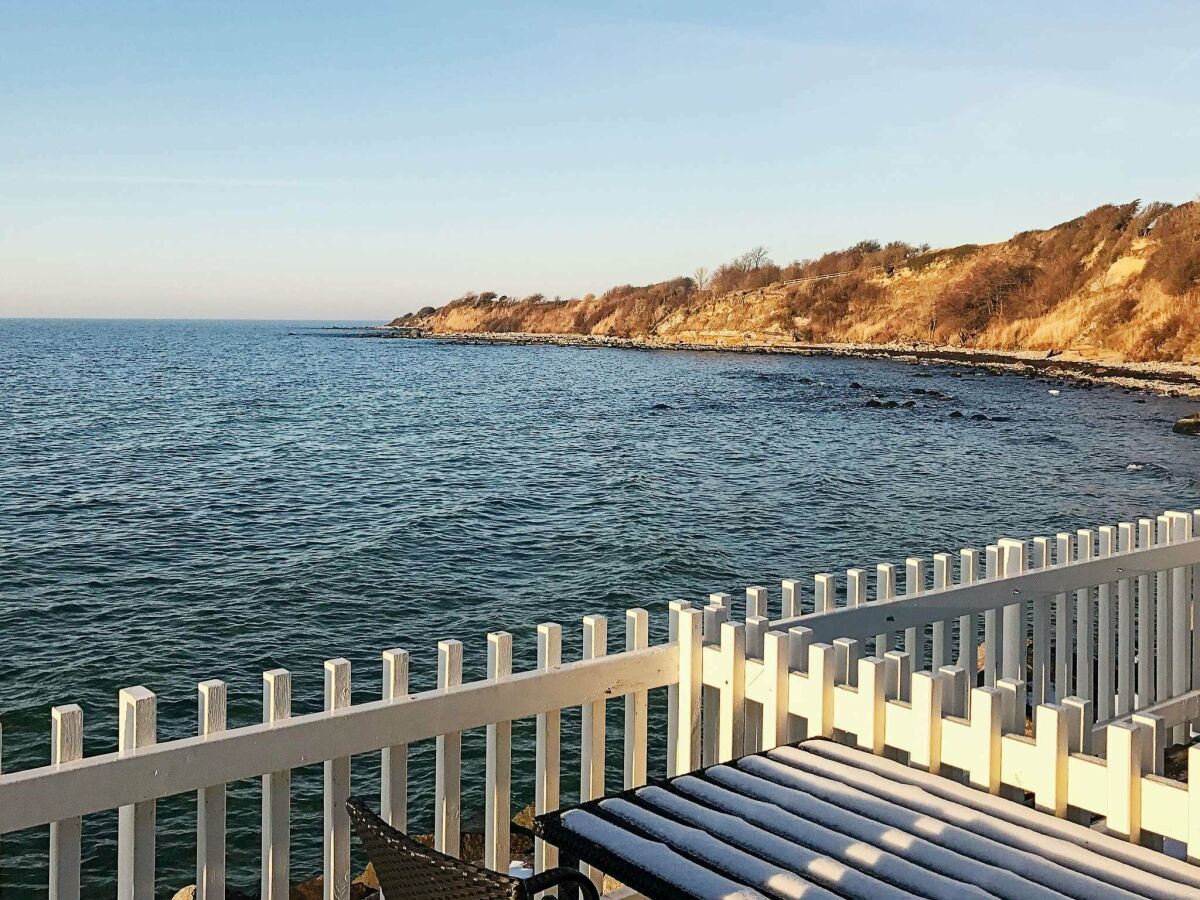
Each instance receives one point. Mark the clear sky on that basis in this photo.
(359, 160)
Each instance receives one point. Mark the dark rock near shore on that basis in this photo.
(955, 414)
(1188, 425)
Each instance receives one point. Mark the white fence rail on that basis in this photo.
(1088, 627)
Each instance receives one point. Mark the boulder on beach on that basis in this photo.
(1188, 425)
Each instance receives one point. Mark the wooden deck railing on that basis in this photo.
(1070, 628)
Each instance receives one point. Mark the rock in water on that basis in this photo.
(1188, 425)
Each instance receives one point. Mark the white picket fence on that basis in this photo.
(1097, 629)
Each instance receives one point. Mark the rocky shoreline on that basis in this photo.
(1169, 379)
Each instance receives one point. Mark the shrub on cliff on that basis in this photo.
(1176, 264)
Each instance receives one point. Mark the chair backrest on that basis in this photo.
(411, 871)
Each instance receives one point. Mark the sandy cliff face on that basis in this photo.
(1122, 282)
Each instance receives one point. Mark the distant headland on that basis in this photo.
(1117, 286)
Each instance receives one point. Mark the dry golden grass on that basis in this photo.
(1120, 282)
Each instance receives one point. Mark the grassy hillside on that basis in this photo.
(1121, 282)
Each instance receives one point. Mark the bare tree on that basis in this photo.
(700, 277)
(755, 258)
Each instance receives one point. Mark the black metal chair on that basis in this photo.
(411, 871)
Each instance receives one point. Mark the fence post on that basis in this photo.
(899, 669)
(1126, 541)
(1063, 623)
(1163, 607)
(66, 745)
(943, 577)
(731, 730)
(1106, 652)
(1123, 741)
(756, 602)
(984, 771)
(1154, 743)
(885, 589)
(1079, 740)
(1181, 644)
(592, 731)
(1040, 675)
(497, 801)
(637, 637)
(1053, 750)
(799, 640)
(715, 616)
(756, 630)
(686, 751)
(592, 727)
(824, 593)
(336, 885)
(673, 610)
(914, 638)
(1012, 702)
(821, 665)
(547, 753)
(1079, 728)
(791, 598)
(1145, 622)
(993, 622)
(393, 785)
(872, 678)
(1085, 620)
(968, 632)
(276, 794)
(954, 690)
(210, 801)
(856, 589)
(135, 830)
(845, 661)
(1012, 562)
(775, 671)
(447, 775)
(927, 719)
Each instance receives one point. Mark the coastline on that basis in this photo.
(1165, 378)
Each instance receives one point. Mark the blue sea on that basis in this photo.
(190, 500)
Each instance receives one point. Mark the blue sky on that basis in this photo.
(361, 160)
